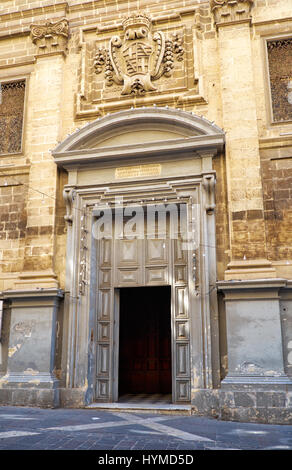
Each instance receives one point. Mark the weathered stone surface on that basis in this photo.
(271, 399)
(30, 397)
(243, 399)
(253, 415)
(72, 398)
(205, 402)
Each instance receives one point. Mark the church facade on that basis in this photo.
(146, 204)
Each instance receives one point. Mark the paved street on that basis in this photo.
(90, 429)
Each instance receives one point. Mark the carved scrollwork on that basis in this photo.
(279, 43)
(50, 37)
(231, 10)
(209, 182)
(140, 57)
(100, 60)
(69, 196)
(168, 58)
(61, 28)
(178, 46)
(115, 43)
(83, 282)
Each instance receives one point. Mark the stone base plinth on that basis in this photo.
(250, 269)
(30, 352)
(257, 405)
(40, 397)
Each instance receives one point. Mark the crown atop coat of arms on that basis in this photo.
(137, 19)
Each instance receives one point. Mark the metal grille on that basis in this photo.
(11, 116)
(280, 68)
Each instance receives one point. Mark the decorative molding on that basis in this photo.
(277, 140)
(36, 280)
(250, 269)
(262, 289)
(13, 170)
(83, 282)
(231, 11)
(140, 57)
(50, 38)
(209, 182)
(26, 295)
(21, 13)
(69, 196)
(279, 43)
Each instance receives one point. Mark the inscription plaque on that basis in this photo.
(138, 171)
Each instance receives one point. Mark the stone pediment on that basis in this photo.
(139, 133)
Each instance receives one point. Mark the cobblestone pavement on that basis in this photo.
(89, 429)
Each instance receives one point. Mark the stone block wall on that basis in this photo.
(276, 169)
(13, 220)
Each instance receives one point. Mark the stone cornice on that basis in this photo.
(32, 298)
(276, 141)
(275, 283)
(30, 293)
(89, 6)
(75, 157)
(33, 12)
(13, 170)
(253, 289)
(231, 11)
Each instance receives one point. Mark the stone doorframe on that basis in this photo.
(195, 142)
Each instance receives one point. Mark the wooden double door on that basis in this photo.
(143, 334)
(145, 340)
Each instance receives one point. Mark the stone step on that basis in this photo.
(180, 409)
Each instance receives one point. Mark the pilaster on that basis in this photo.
(30, 378)
(43, 131)
(258, 385)
(245, 199)
(254, 334)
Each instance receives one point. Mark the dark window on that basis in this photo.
(11, 116)
(280, 67)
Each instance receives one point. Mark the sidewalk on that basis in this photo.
(92, 429)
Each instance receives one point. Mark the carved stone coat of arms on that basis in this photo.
(140, 57)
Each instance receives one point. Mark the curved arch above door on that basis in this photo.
(139, 132)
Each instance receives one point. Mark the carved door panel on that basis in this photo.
(156, 261)
(181, 328)
(104, 320)
(128, 262)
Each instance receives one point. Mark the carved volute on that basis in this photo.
(226, 11)
(50, 38)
